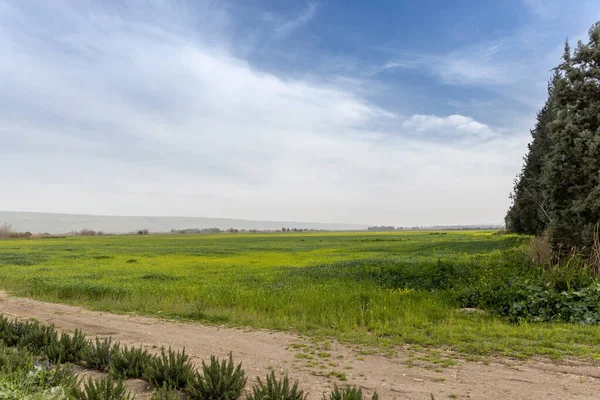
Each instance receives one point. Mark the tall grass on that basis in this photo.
(370, 288)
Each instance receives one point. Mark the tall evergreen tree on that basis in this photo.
(528, 213)
(571, 171)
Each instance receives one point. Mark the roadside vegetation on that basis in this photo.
(28, 372)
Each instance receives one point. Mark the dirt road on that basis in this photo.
(318, 365)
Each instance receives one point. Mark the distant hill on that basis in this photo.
(64, 223)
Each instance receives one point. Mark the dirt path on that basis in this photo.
(318, 365)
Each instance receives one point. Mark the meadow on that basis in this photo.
(376, 290)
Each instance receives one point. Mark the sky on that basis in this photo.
(371, 112)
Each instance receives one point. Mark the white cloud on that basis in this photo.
(451, 124)
(119, 116)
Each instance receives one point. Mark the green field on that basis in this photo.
(379, 289)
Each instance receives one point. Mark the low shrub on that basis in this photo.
(12, 359)
(171, 369)
(219, 381)
(275, 389)
(22, 378)
(541, 304)
(166, 393)
(46, 375)
(67, 348)
(129, 362)
(348, 393)
(99, 353)
(6, 332)
(37, 337)
(12, 331)
(102, 389)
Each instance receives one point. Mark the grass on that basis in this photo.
(379, 289)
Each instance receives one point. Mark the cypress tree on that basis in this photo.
(528, 213)
(571, 170)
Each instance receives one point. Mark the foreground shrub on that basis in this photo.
(36, 337)
(219, 381)
(67, 348)
(15, 360)
(166, 393)
(45, 376)
(11, 331)
(171, 369)
(21, 378)
(102, 389)
(541, 304)
(274, 389)
(348, 393)
(573, 272)
(129, 362)
(98, 353)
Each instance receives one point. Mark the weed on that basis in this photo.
(67, 348)
(166, 393)
(36, 337)
(102, 389)
(98, 353)
(171, 369)
(129, 362)
(275, 389)
(348, 393)
(15, 359)
(219, 381)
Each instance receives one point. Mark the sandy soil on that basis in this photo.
(319, 365)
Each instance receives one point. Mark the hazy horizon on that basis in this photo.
(35, 222)
(278, 111)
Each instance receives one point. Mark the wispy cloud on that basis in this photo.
(285, 26)
(450, 125)
(516, 65)
(473, 65)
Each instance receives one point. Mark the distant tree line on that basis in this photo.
(299, 230)
(87, 232)
(381, 228)
(195, 231)
(558, 188)
(6, 232)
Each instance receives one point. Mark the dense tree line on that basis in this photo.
(558, 188)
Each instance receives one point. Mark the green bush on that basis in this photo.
(98, 353)
(45, 376)
(273, 389)
(67, 348)
(219, 381)
(166, 393)
(37, 337)
(171, 369)
(11, 331)
(541, 304)
(12, 359)
(574, 272)
(102, 389)
(348, 393)
(129, 362)
(22, 378)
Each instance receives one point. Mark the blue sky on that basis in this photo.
(383, 112)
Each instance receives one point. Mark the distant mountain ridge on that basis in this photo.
(64, 223)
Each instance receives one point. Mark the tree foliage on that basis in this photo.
(559, 186)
